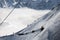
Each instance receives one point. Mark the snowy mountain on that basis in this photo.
(51, 24)
(35, 4)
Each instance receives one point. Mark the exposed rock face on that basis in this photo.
(35, 4)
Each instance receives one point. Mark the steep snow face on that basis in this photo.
(18, 20)
(51, 25)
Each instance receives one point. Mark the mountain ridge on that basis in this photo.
(35, 4)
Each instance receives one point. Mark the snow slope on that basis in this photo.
(18, 20)
(51, 31)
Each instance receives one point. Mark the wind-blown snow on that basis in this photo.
(18, 20)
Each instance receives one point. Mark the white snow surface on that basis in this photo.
(18, 19)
